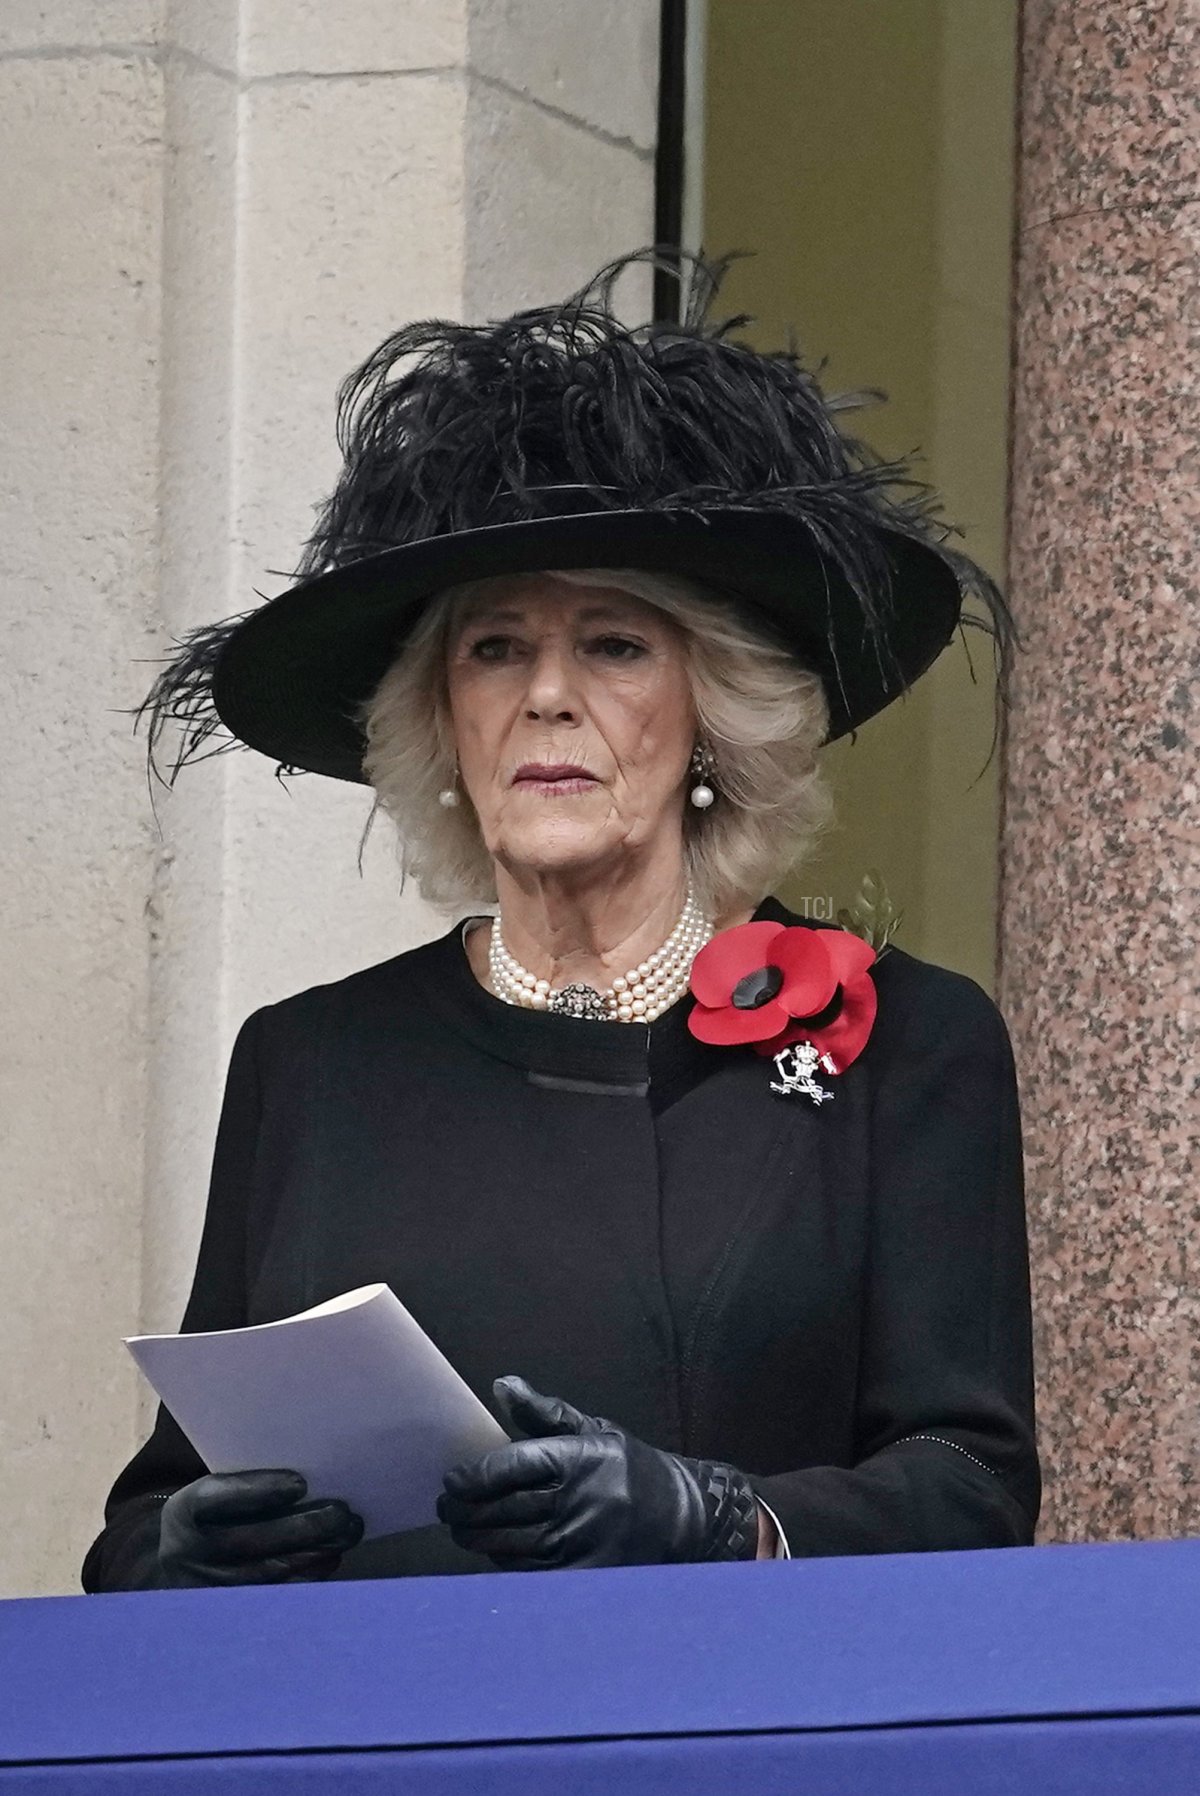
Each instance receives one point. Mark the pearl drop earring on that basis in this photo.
(702, 768)
(448, 796)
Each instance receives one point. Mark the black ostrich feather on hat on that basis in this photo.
(450, 428)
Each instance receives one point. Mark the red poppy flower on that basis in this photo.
(767, 985)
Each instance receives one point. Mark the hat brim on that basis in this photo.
(293, 678)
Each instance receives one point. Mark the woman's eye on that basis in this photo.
(618, 648)
(490, 648)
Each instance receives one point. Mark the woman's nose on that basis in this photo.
(552, 691)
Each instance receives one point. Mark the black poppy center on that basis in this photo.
(758, 988)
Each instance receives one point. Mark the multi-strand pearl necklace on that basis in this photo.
(639, 996)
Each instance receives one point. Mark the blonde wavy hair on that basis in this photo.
(762, 715)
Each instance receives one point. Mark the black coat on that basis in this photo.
(834, 1299)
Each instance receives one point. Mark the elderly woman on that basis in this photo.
(742, 1198)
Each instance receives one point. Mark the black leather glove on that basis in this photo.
(582, 1492)
(251, 1528)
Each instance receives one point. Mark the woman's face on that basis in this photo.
(573, 723)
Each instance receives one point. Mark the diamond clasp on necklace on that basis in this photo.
(578, 1001)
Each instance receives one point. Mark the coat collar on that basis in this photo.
(623, 1056)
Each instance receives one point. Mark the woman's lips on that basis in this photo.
(557, 782)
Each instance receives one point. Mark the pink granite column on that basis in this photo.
(1100, 946)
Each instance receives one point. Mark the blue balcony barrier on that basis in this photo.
(1059, 1671)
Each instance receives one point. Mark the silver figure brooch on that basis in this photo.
(797, 1067)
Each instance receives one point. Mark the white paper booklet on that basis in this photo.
(352, 1394)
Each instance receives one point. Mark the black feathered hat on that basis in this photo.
(559, 438)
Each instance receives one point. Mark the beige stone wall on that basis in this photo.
(79, 321)
(211, 209)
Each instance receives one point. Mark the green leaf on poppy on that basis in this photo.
(871, 914)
